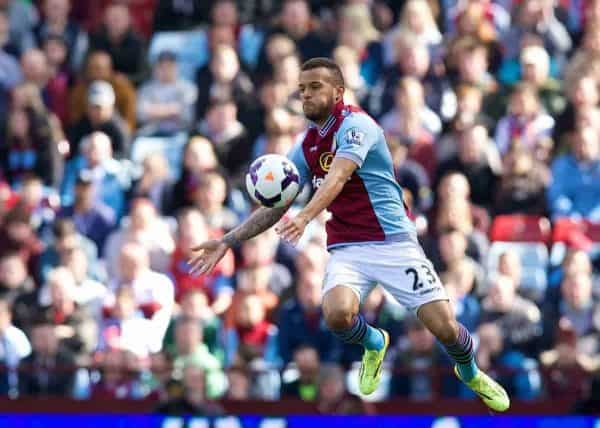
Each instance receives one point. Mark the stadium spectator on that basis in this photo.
(416, 357)
(199, 157)
(473, 162)
(463, 297)
(66, 238)
(579, 307)
(286, 71)
(89, 293)
(307, 366)
(276, 47)
(57, 23)
(18, 236)
(522, 185)
(454, 261)
(194, 305)
(223, 78)
(411, 176)
(75, 327)
(32, 141)
(333, 397)
(99, 66)
(154, 294)
(118, 38)
(519, 319)
(573, 191)
(519, 373)
(145, 227)
(119, 377)
(124, 327)
(239, 383)
(525, 123)
(92, 217)
(535, 70)
(110, 178)
(166, 102)
(252, 338)
(229, 136)
(209, 198)
(22, 18)
(582, 94)
(537, 19)
(356, 30)
(189, 395)
(155, 183)
(14, 346)
(413, 123)
(563, 358)
(101, 116)
(295, 21)
(10, 74)
(46, 356)
(414, 60)
(356, 87)
(190, 351)
(301, 322)
(55, 48)
(14, 278)
(217, 285)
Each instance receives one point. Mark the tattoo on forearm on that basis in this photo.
(262, 219)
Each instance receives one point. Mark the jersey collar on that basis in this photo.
(337, 109)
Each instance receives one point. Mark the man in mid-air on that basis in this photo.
(370, 237)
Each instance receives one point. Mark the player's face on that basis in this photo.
(318, 94)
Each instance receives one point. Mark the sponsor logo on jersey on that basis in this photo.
(325, 161)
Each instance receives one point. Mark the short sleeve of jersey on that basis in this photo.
(356, 136)
(296, 155)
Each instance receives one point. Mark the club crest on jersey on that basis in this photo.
(325, 160)
(354, 137)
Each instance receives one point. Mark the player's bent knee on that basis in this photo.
(339, 307)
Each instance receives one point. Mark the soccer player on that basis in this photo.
(369, 236)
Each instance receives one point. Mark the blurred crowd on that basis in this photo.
(128, 128)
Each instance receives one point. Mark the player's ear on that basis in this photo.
(339, 94)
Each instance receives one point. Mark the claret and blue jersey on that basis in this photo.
(370, 207)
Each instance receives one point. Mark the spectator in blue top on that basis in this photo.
(92, 217)
(110, 178)
(301, 322)
(575, 189)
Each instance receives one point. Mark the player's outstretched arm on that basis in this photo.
(209, 253)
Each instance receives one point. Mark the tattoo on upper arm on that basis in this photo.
(262, 219)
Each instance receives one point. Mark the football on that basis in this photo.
(273, 181)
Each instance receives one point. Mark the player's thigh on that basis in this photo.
(407, 274)
(346, 273)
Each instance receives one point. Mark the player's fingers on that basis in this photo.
(206, 268)
(285, 228)
(197, 264)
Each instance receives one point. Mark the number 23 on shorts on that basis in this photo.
(422, 276)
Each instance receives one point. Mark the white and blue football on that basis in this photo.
(273, 181)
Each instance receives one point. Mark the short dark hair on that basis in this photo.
(337, 77)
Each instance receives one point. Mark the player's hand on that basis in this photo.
(206, 256)
(291, 230)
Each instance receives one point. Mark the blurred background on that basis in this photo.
(128, 126)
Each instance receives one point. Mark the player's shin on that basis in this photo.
(462, 353)
(362, 333)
